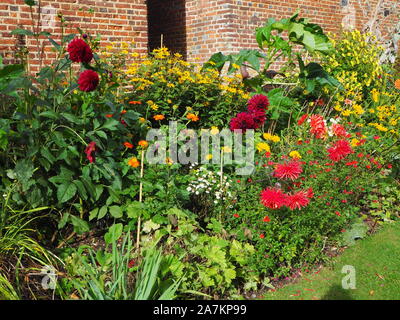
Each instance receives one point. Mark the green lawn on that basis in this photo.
(377, 265)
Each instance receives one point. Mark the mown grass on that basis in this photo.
(377, 265)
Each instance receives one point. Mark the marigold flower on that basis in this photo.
(192, 117)
(128, 145)
(159, 117)
(143, 143)
(263, 147)
(291, 170)
(214, 131)
(79, 51)
(397, 84)
(88, 80)
(295, 155)
(134, 162)
(273, 198)
(270, 137)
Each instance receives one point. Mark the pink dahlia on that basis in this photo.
(340, 150)
(88, 80)
(259, 101)
(243, 121)
(339, 131)
(290, 170)
(79, 51)
(273, 198)
(297, 200)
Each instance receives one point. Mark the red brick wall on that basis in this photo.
(115, 20)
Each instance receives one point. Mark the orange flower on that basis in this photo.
(135, 102)
(143, 143)
(159, 117)
(123, 111)
(134, 162)
(193, 117)
(142, 120)
(109, 115)
(128, 145)
(397, 84)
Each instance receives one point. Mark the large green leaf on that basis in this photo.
(65, 192)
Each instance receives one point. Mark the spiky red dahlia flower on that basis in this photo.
(259, 101)
(243, 121)
(340, 150)
(297, 200)
(318, 127)
(88, 80)
(290, 170)
(258, 115)
(273, 198)
(79, 51)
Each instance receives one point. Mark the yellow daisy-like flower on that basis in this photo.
(295, 155)
(227, 149)
(263, 147)
(209, 156)
(270, 137)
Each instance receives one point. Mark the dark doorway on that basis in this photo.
(167, 23)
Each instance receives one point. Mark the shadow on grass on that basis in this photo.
(336, 292)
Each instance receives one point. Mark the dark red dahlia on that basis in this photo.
(90, 149)
(297, 200)
(259, 101)
(340, 150)
(79, 51)
(258, 115)
(88, 80)
(290, 170)
(243, 121)
(273, 198)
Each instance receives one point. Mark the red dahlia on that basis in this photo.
(290, 170)
(258, 115)
(318, 127)
(243, 121)
(88, 80)
(79, 51)
(273, 198)
(340, 150)
(258, 101)
(90, 149)
(302, 119)
(297, 200)
(339, 131)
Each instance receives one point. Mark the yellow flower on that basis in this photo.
(214, 131)
(134, 162)
(270, 137)
(355, 142)
(169, 161)
(209, 156)
(142, 120)
(263, 147)
(295, 155)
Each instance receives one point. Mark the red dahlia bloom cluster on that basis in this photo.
(274, 198)
(290, 170)
(88, 80)
(340, 150)
(339, 131)
(79, 51)
(255, 116)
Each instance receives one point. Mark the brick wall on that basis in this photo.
(195, 28)
(115, 20)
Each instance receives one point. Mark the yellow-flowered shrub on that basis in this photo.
(166, 84)
(355, 63)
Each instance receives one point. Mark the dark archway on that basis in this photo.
(167, 21)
